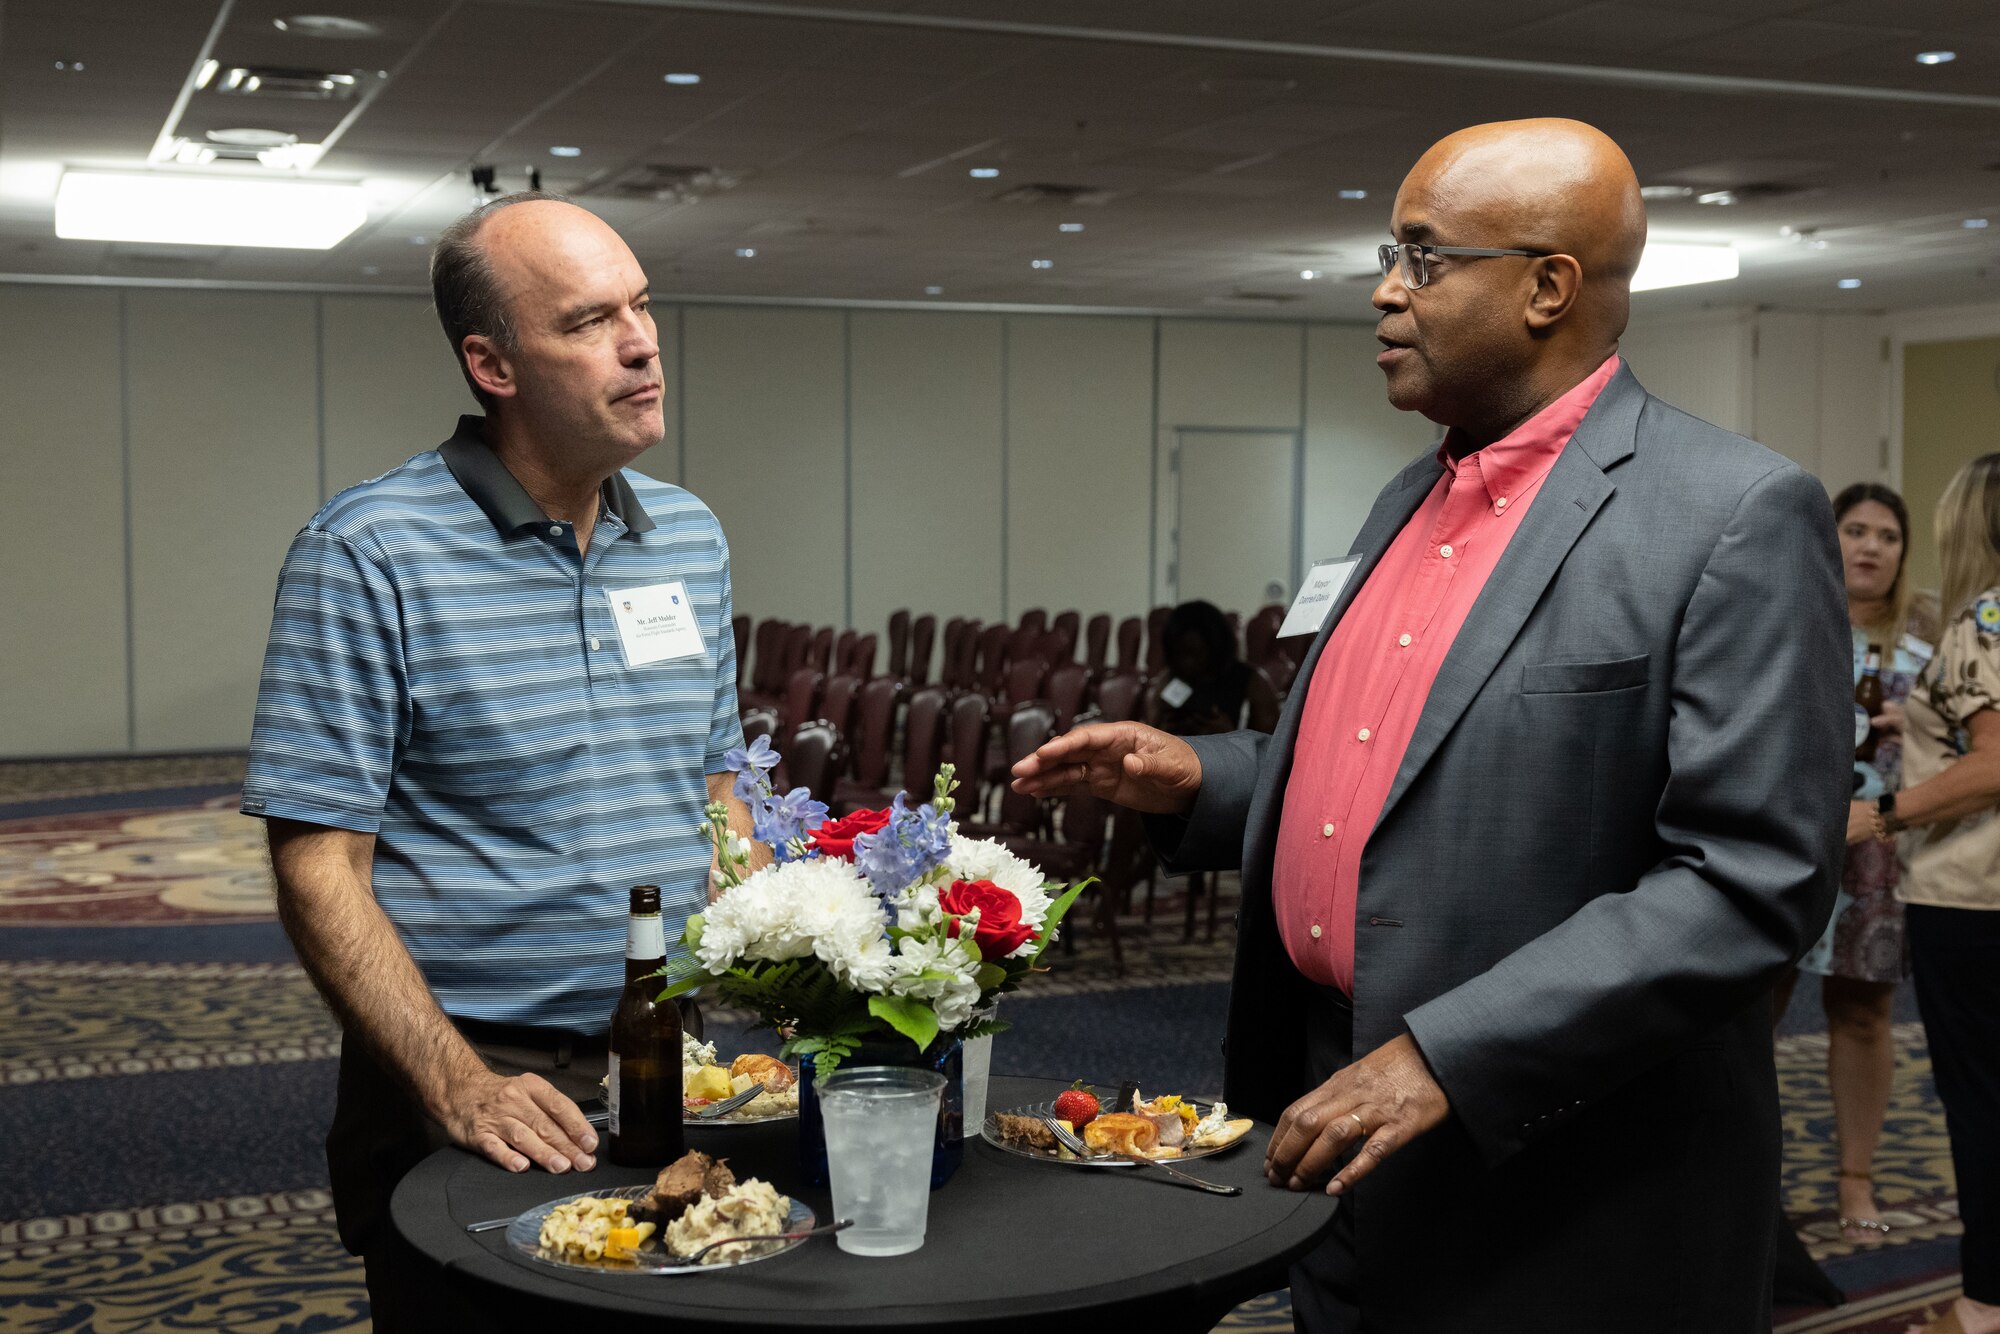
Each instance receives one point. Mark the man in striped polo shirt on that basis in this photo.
(498, 691)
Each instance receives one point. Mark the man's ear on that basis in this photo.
(488, 366)
(1558, 281)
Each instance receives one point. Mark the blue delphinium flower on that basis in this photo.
(783, 822)
(910, 847)
(751, 764)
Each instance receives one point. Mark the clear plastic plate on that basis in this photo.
(524, 1240)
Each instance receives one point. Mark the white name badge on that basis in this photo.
(1316, 598)
(656, 622)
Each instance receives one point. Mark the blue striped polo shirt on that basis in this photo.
(443, 672)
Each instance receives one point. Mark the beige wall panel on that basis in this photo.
(1355, 442)
(1229, 373)
(663, 461)
(62, 523)
(1854, 397)
(1079, 463)
(766, 446)
(1951, 415)
(1787, 386)
(225, 470)
(927, 467)
(391, 389)
(1700, 364)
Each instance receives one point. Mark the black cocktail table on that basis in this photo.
(1009, 1239)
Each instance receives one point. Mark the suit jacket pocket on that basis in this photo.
(1585, 678)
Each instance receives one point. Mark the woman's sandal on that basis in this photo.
(1864, 1225)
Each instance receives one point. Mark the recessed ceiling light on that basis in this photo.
(70, 66)
(933, 291)
(1720, 197)
(1353, 194)
(1667, 264)
(1936, 57)
(209, 211)
(251, 137)
(1308, 274)
(746, 252)
(565, 150)
(1041, 264)
(326, 25)
(1848, 284)
(1665, 191)
(1069, 226)
(207, 75)
(983, 173)
(370, 270)
(683, 80)
(420, 240)
(1974, 224)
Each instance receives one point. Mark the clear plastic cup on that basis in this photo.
(881, 1125)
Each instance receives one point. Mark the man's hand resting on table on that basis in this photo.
(515, 1120)
(1128, 764)
(1381, 1102)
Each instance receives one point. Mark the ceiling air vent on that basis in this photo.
(669, 182)
(1044, 193)
(272, 81)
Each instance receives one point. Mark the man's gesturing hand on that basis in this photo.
(1125, 763)
(515, 1120)
(1381, 1102)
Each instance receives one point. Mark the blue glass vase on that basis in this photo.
(946, 1057)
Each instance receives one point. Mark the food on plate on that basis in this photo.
(1218, 1128)
(596, 1229)
(704, 1080)
(1122, 1132)
(1077, 1105)
(746, 1208)
(1026, 1131)
(1172, 1114)
(683, 1182)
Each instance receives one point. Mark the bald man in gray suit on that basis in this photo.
(1517, 1012)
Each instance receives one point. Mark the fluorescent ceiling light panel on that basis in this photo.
(1669, 264)
(166, 208)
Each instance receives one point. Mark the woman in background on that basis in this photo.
(1862, 956)
(1950, 808)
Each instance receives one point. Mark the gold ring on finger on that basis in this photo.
(1359, 1126)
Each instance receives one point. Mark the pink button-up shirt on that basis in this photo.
(1368, 690)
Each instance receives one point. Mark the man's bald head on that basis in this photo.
(1507, 325)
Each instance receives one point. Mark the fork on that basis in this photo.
(824, 1230)
(726, 1106)
(1067, 1138)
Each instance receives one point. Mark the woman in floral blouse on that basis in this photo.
(1948, 815)
(1862, 955)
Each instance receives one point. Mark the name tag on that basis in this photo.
(1317, 596)
(656, 623)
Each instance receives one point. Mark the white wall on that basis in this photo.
(859, 460)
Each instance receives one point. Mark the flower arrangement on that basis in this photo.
(884, 922)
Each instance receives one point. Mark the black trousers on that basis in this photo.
(379, 1133)
(1955, 958)
(1324, 1283)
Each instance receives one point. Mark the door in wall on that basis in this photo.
(1234, 527)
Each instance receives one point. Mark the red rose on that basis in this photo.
(835, 838)
(1000, 931)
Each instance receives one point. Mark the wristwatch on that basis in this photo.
(1885, 807)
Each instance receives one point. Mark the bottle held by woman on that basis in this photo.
(644, 1080)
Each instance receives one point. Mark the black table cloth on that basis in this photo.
(1009, 1239)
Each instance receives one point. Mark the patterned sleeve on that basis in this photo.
(333, 705)
(725, 731)
(1966, 670)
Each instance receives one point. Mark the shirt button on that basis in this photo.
(1362, 735)
(1404, 640)
(1500, 504)
(1445, 551)
(1315, 930)
(555, 530)
(593, 643)
(1326, 830)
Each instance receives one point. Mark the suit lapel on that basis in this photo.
(1575, 489)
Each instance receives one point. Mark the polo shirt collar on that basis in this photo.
(1522, 457)
(506, 502)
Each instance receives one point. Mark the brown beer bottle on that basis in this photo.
(645, 1073)
(1868, 703)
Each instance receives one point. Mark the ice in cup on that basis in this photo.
(881, 1124)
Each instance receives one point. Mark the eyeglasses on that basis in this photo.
(1414, 260)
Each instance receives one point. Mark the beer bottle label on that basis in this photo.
(611, 1094)
(645, 938)
(1861, 726)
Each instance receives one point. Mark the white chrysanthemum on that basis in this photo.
(939, 971)
(782, 912)
(983, 859)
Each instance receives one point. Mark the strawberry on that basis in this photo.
(1077, 1105)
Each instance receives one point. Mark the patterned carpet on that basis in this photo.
(166, 1073)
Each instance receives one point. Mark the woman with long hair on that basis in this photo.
(1948, 816)
(1862, 955)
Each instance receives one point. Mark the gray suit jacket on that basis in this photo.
(1619, 819)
